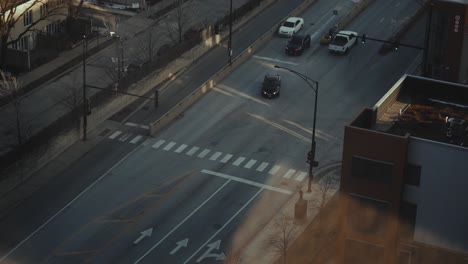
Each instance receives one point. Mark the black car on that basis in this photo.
(271, 85)
(297, 44)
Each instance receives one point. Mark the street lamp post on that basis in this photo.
(311, 155)
(85, 101)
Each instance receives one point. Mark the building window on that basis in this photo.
(371, 169)
(44, 9)
(28, 18)
(21, 44)
(412, 175)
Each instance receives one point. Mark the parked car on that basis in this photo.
(291, 26)
(297, 44)
(343, 41)
(271, 85)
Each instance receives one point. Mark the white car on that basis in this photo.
(291, 26)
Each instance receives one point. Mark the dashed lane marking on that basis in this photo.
(203, 153)
(226, 158)
(147, 142)
(274, 170)
(159, 143)
(262, 166)
(289, 173)
(136, 139)
(238, 161)
(215, 156)
(181, 148)
(250, 164)
(115, 134)
(192, 151)
(169, 146)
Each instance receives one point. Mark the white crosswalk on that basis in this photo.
(216, 156)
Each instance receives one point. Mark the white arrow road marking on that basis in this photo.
(208, 254)
(146, 233)
(181, 223)
(219, 230)
(182, 243)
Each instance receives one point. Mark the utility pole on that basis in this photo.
(85, 101)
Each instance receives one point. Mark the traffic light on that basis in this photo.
(156, 98)
(309, 156)
(363, 38)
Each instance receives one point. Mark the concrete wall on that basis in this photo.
(442, 206)
(389, 98)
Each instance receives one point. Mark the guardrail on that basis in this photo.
(221, 74)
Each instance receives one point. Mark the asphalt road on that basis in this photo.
(219, 173)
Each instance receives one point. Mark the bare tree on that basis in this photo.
(147, 49)
(281, 240)
(116, 71)
(10, 87)
(74, 8)
(12, 13)
(72, 97)
(177, 22)
(325, 186)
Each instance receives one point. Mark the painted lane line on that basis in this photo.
(136, 139)
(159, 143)
(241, 180)
(226, 158)
(169, 146)
(192, 151)
(125, 137)
(115, 134)
(289, 173)
(203, 153)
(219, 230)
(381, 20)
(136, 125)
(250, 164)
(274, 170)
(238, 161)
(215, 156)
(69, 204)
(181, 148)
(262, 166)
(274, 60)
(182, 222)
(301, 176)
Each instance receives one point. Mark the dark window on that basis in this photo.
(371, 169)
(407, 219)
(28, 18)
(412, 175)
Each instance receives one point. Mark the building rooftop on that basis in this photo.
(425, 108)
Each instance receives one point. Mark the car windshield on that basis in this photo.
(295, 41)
(288, 24)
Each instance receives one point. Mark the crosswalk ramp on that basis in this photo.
(212, 155)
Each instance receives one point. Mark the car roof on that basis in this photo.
(292, 19)
(272, 76)
(347, 32)
(301, 36)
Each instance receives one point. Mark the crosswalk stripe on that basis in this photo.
(136, 139)
(289, 173)
(147, 142)
(301, 176)
(226, 158)
(159, 143)
(274, 170)
(262, 166)
(238, 161)
(192, 151)
(181, 148)
(215, 156)
(169, 146)
(203, 153)
(115, 134)
(125, 137)
(250, 164)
